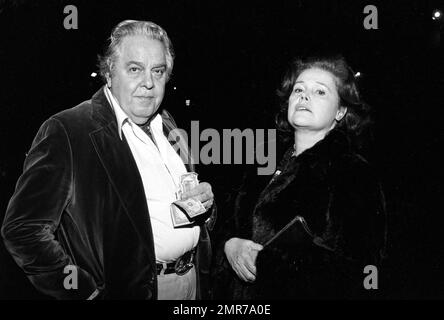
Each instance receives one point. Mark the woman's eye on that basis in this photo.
(298, 90)
(320, 92)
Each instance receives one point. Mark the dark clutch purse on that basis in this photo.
(283, 255)
(295, 233)
(278, 262)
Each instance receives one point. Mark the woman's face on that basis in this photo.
(314, 102)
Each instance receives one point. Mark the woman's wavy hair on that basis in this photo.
(357, 120)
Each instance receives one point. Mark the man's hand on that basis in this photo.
(241, 255)
(201, 192)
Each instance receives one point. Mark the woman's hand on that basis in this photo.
(241, 255)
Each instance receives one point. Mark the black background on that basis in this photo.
(230, 57)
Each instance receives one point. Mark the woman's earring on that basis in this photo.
(340, 116)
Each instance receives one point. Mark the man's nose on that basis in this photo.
(148, 81)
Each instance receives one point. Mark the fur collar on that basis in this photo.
(335, 144)
(318, 158)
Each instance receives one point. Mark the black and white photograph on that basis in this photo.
(315, 128)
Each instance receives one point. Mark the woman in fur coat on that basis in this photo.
(316, 229)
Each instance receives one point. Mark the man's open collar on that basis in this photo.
(121, 116)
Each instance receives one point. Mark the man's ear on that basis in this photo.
(108, 80)
(342, 111)
(108, 74)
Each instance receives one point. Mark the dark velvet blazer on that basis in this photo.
(80, 201)
(338, 194)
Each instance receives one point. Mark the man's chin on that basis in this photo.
(146, 115)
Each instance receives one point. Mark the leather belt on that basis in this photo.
(181, 266)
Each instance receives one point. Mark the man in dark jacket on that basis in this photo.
(91, 215)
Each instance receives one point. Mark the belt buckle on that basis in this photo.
(181, 267)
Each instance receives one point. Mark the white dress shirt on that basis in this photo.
(160, 168)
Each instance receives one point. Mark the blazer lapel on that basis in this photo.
(115, 156)
(177, 140)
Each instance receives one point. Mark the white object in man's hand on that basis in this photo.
(202, 192)
(241, 255)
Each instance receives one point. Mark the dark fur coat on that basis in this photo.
(338, 194)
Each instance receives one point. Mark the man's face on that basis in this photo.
(138, 77)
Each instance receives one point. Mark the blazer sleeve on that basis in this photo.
(34, 213)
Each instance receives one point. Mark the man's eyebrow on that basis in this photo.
(140, 64)
(134, 62)
(160, 65)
